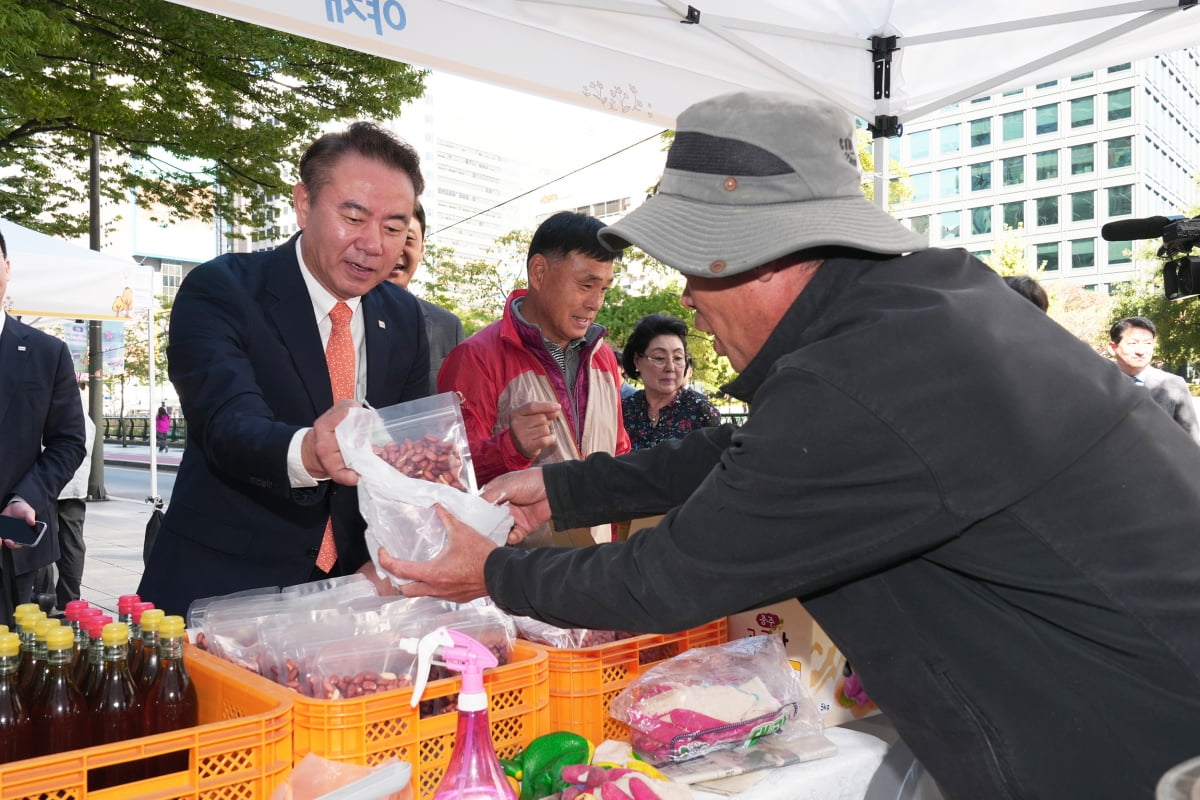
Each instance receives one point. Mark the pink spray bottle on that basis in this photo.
(474, 771)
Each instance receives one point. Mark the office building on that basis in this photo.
(1049, 165)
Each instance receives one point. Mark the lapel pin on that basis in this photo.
(383, 324)
(21, 348)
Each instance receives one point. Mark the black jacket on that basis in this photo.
(41, 429)
(989, 520)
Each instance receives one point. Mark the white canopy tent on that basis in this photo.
(52, 277)
(886, 61)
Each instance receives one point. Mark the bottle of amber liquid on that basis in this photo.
(31, 682)
(58, 711)
(16, 727)
(25, 620)
(151, 620)
(87, 672)
(83, 642)
(114, 708)
(171, 701)
(135, 637)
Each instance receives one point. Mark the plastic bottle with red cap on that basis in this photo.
(71, 617)
(83, 641)
(71, 612)
(125, 607)
(135, 635)
(89, 670)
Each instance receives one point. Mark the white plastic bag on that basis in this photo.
(398, 509)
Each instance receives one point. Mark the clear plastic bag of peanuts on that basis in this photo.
(409, 457)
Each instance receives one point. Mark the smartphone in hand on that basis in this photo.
(16, 530)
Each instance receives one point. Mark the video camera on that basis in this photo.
(1181, 276)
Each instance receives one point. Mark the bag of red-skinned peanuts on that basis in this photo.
(409, 457)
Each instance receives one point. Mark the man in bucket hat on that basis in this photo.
(941, 474)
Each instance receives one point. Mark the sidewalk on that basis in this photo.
(139, 455)
(114, 531)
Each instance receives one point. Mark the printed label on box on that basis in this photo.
(832, 686)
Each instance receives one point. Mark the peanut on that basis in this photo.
(427, 458)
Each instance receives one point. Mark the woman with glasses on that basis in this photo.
(666, 408)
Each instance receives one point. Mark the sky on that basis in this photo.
(529, 128)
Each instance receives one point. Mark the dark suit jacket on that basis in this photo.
(246, 358)
(1171, 393)
(39, 408)
(445, 332)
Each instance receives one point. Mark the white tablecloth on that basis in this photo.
(841, 777)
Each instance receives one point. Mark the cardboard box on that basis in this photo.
(822, 666)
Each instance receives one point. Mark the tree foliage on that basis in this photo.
(475, 290)
(195, 112)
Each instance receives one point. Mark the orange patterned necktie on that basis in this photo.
(339, 357)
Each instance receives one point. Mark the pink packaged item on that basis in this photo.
(714, 698)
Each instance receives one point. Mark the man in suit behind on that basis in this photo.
(444, 329)
(262, 475)
(1131, 341)
(41, 439)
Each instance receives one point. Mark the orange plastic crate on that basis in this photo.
(373, 728)
(584, 681)
(241, 749)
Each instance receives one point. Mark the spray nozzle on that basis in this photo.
(460, 653)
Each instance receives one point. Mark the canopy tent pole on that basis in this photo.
(154, 498)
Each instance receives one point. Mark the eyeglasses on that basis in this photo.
(661, 361)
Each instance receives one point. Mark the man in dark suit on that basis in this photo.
(261, 474)
(1132, 343)
(444, 329)
(41, 440)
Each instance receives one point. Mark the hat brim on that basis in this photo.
(709, 240)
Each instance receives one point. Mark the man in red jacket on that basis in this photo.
(540, 385)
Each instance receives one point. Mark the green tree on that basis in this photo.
(196, 113)
(475, 290)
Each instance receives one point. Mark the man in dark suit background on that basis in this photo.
(262, 474)
(41, 439)
(1131, 341)
(444, 329)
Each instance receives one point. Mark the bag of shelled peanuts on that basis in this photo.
(409, 457)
